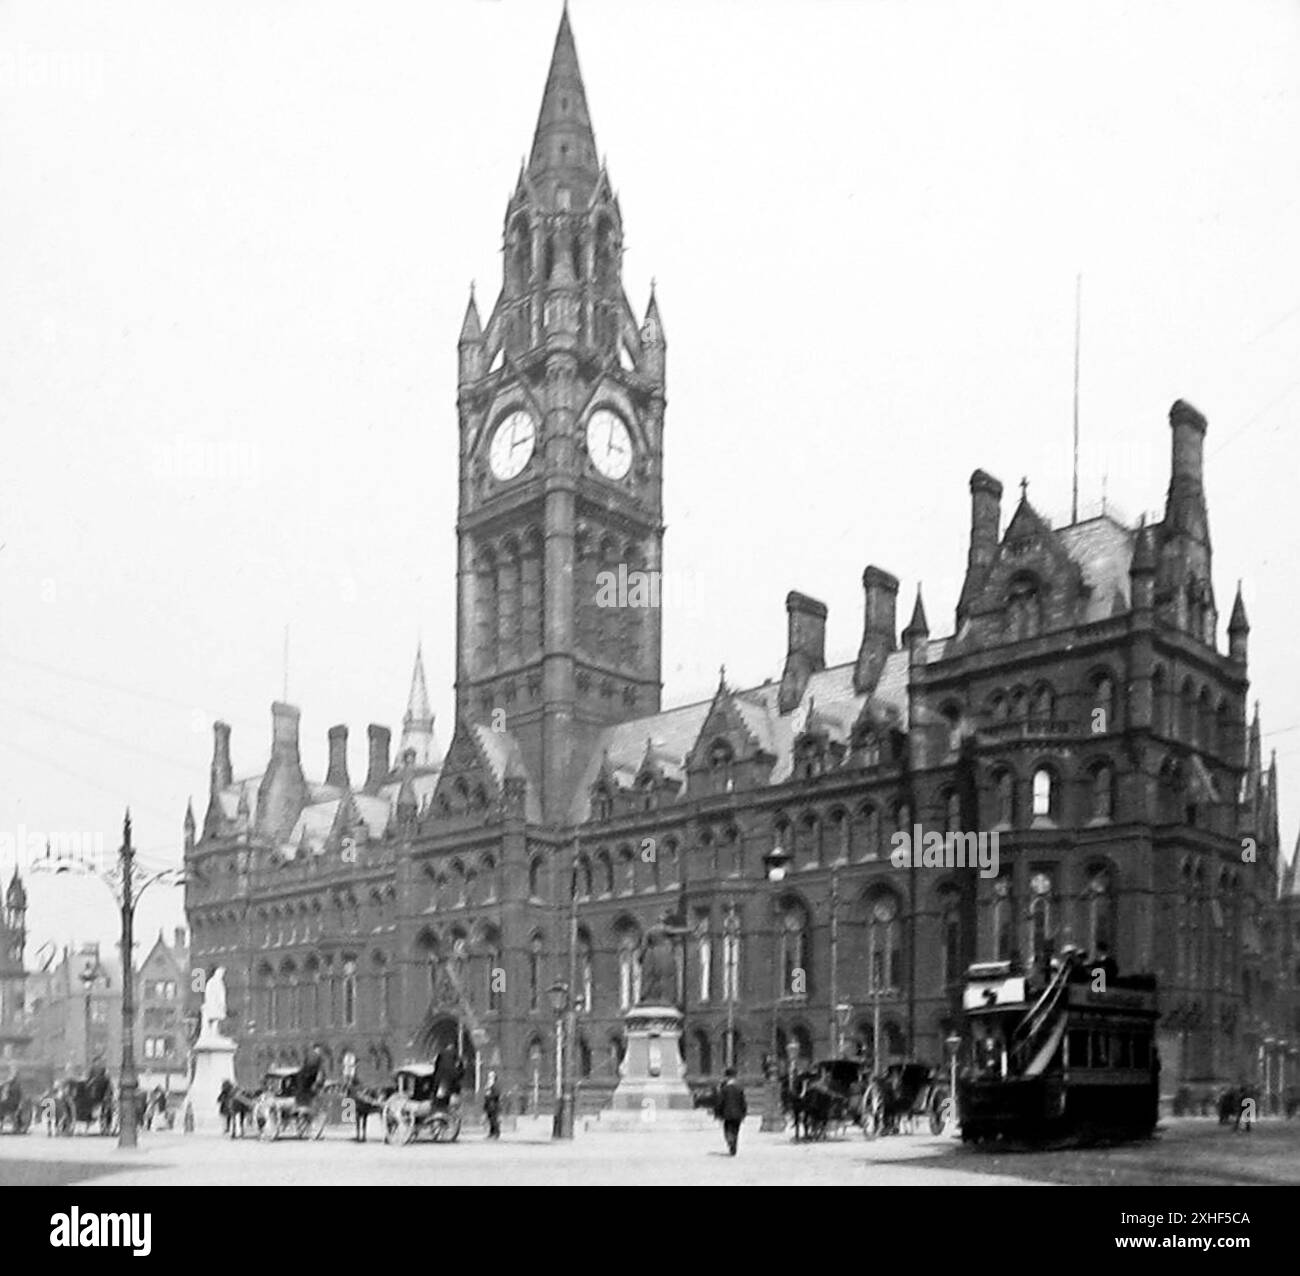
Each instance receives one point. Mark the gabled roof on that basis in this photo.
(828, 700)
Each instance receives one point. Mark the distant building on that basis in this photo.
(76, 1011)
(162, 1031)
(15, 1034)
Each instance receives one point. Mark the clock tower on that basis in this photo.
(561, 408)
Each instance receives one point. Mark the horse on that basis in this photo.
(14, 1107)
(1238, 1104)
(236, 1107)
(366, 1102)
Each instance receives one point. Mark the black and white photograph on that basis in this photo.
(650, 594)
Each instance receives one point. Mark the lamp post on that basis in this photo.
(834, 1036)
(126, 890)
(89, 975)
(562, 1123)
(775, 863)
(954, 1045)
(731, 973)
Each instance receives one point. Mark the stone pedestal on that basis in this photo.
(214, 1063)
(652, 1091)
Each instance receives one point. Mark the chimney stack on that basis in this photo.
(1188, 427)
(221, 773)
(283, 791)
(337, 775)
(284, 730)
(985, 520)
(879, 627)
(379, 742)
(805, 651)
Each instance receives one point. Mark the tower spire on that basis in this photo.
(564, 154)
(417, 722)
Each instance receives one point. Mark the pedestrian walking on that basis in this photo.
(731, 1108)
(492, 1106)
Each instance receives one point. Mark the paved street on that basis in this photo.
(1187, 1152)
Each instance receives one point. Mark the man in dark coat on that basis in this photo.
(732, 1108)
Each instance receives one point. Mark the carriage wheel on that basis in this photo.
(319, 1120)
(23, 1121)
(390, 1116)
(873, 1111)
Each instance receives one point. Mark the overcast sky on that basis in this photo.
(236, 242)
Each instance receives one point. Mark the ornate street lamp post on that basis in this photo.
(775, 863)
(561, 1002)
(126, 889)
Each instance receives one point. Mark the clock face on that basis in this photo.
(608, 443)
(512, 444)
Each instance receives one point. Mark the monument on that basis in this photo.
(652, 1090)
(214, 1060)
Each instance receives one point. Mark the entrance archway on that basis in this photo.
(444, 1032)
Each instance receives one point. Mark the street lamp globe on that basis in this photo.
(775, 863)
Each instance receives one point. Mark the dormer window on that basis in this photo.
(1024, 609)
(721, 761)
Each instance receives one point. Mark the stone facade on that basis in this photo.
(1082, 709)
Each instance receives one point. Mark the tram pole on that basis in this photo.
(127, 1083)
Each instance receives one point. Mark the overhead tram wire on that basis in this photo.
(102, 683)
(96, 735)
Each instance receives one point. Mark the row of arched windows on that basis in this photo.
(508, 602)
(1191, 714)
(1208, 919)
(303, 921)
(321, 993)
(461, 882)
(1040, 914)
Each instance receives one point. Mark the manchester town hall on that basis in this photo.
(1085, 705)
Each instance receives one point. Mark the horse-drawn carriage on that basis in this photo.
(825, 1098)
(288, 1106)
(84, 1101)
(15, 1108)
(902, 1094)
(426, 1100)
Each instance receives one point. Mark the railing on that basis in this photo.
(1025, 728)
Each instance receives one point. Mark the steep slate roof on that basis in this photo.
(1103, 549)
(829, 698)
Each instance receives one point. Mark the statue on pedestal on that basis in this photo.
(658, 960)
(214, 1004)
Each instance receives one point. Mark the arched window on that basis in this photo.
(1187, 713)
(1103, 791)
(488, 876)
(1042, 707)
(535, 886)
(1103, 716)
(584, 1058)
(1205, 721)
(627, 870)
(722, 758)
(349, 992)
(703, 1052)
(1004, 926)
(1024, 609)
(604, 873)
(950, 934)
(1046, 795)
(883, 946)
(586, 979)
(1101, 911)
(1042, 920)
(794, 949)
(1004, 789)
(952, 811)
(868, 832)
(582, 882)
(731, 852)
(731, 955)
(999, 707)
(535, 972)
(1160, 702)
(810, 841)
(704, 956)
